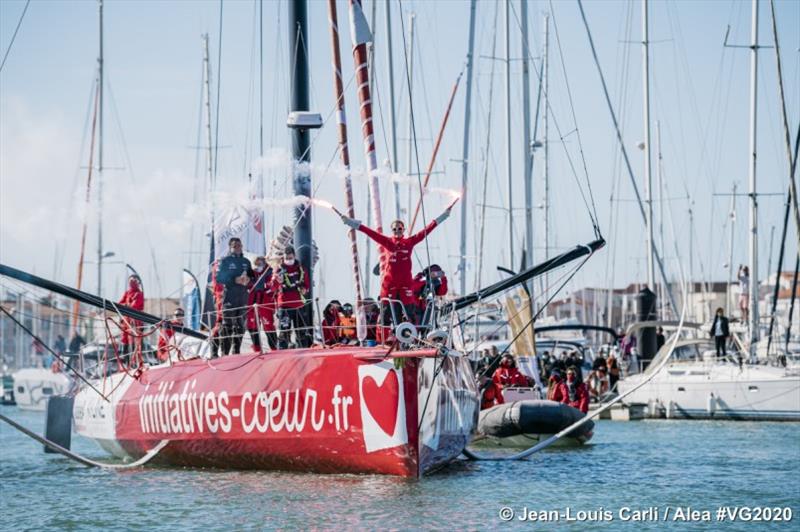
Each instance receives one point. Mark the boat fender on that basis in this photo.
(712, 403)
(670, 409)
(58, 421)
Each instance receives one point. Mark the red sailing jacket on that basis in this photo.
(581, 402)
(509, 377)
(133, 298)
(330, 328)
(492, 395)
(396, 258)
(261, 303)
(290, 283)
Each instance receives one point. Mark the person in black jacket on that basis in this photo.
(720, 332)
(234, 273)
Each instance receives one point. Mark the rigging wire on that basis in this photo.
(487, 152)
(414, 129)
(14, 36)
(574, 117)
(129, 164)
(562, 136)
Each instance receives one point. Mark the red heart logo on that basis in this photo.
(382, 400)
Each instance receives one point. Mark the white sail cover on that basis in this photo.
(359, 28)
(244, 223)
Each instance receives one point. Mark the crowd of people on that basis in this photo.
(563, 374)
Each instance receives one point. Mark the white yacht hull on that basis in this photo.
(34, 386)
(704, 390)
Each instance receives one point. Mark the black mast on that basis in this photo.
(298, 63)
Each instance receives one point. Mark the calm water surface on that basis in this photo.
(701, 464)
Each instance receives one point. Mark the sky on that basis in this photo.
(155, 190)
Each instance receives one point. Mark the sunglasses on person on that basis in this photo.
(398, 228)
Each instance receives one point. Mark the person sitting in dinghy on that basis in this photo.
(573, 391)
(508, 374)
(491, 393)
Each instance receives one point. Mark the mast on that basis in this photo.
(298, 61)
(545, 83)
(344, 151)
(546, 126)
(261, 103)
(100, 160)
(508, 134)
(392, 111)
(462, 261)
(647, 163)
(361, 35)
(730, 251)
(209, 144)
(754, 332)
(526, 136)
(410, 130)
(660, 182)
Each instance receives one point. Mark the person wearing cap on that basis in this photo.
(166, 335)
(261, 306)
(395, 258)
(234, 274)
(290, 283)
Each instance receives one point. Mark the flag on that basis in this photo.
(190, 300)
(241, 222)
(359, 28)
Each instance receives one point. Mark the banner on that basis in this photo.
(244, 223)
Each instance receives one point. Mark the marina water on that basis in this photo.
(637, 465)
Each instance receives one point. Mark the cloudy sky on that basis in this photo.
(155, 190)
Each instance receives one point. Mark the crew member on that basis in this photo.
(167, 333)
(573, 391)
(133, 298)
(291, 284)
(234, 274)
(261, 306)
(347, 320)
(430, 282)
(395, 260)
(491, 394)
(508, 374)
(372, 313)
(720, 332)
(330, 323)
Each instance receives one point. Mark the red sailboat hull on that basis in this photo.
(343, 410)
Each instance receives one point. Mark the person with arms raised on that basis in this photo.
(395, 261)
